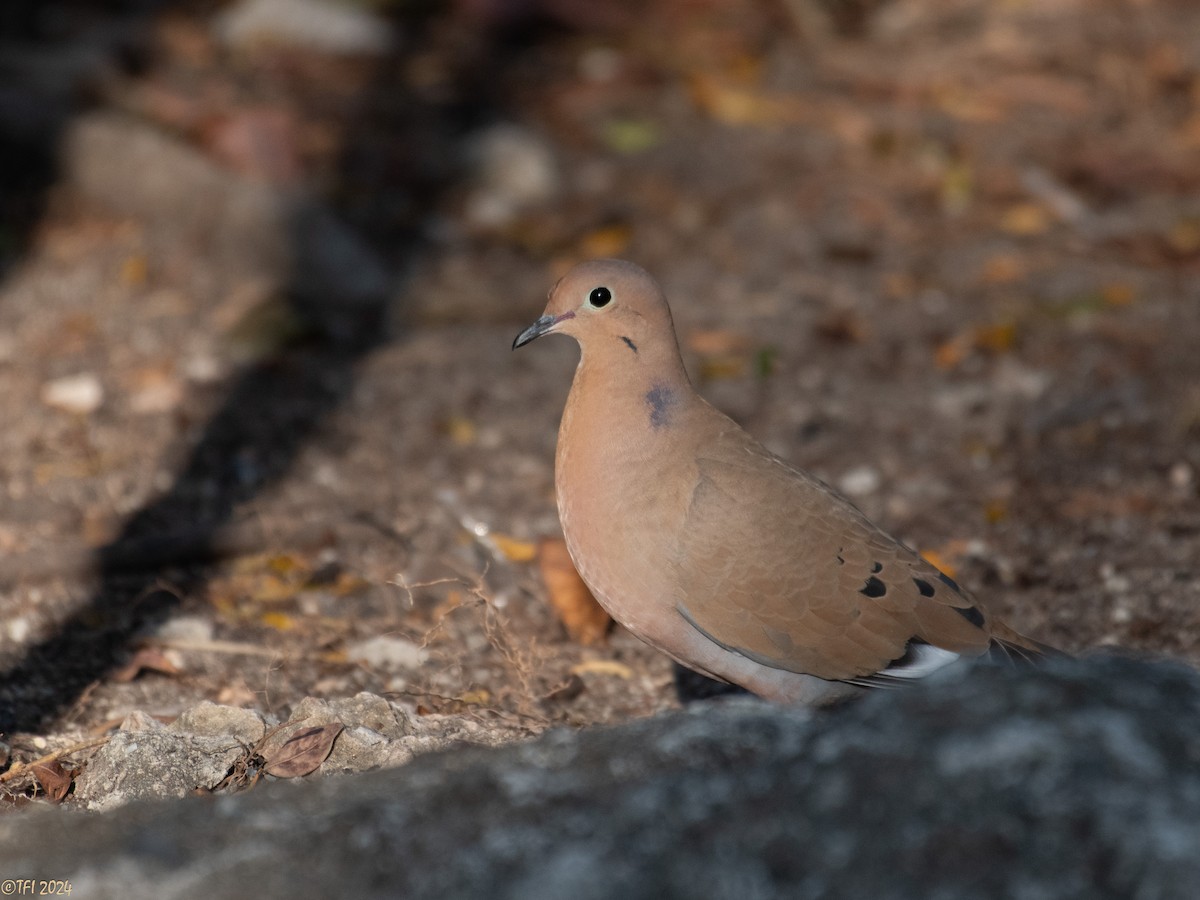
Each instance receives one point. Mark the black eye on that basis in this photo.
(599, 297)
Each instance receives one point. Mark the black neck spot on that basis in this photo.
(661, 401)
(630, 344)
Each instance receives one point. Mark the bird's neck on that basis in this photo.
(638, 396)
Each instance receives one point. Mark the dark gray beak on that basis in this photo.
(538, 328)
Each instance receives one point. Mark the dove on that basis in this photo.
(714, 550)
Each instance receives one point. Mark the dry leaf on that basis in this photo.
(603, 667)
(631, 135)
(611, 240)
(995, 338)
(952, 352)
(1025, 219)
(514, 550)
(53, 779)
(148, 659)
(935, 559)
(460, 430)
(277, 620)
(739, 106)
(717, 342)
(303, 752)
(1118, 294)
(133, 270)
(1003, 268)
(585, 620)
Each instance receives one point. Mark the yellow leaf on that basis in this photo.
(286, 564)
(738, 106)
(1003, 268)
(717, 342)
(514, 550)
(996, 338)
(609, 241)
(722, 367)
(477, 697)
(277, 620)
(631, 135)
(1025, 219)
(952, 352)
(460, 430)
(133, 271)
(958, 187)
(995, 511)
(602, 667)
(1118, 294)
(1184, 236)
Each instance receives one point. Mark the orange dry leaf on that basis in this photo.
(584, 618)
(611, 240)
(952, 352)
(1025, 219)
(995, 338)
(1003, 268)
(739, 106)
(514, 550)
(459, 429)
(935, 559)
(717, 342)
(998, 338)
(133, 271)
(1118, 294)
(148, 659)
(53, 779)
(279, 621)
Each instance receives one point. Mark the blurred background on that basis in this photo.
(261, 263)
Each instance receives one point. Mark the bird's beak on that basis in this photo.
(544, 325)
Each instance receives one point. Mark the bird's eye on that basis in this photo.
(599, 297)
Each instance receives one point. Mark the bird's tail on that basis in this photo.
(1012, 648)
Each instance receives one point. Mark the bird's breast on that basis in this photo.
(617, 488)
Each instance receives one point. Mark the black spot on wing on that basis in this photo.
(924, 587)
(949, 582)
(971, 614)
(630, 344)
(876, 567)
(873, 588)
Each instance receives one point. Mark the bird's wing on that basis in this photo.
(776, 566)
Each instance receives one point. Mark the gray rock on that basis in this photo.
(387, 653)
(379, 735)
(515, 170)
(211, 720)
(1081, 780)
(248, 230)
(326, 27)
(146, 760)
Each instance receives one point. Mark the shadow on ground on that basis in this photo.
(275, 404)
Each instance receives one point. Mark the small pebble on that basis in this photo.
(80, 394)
